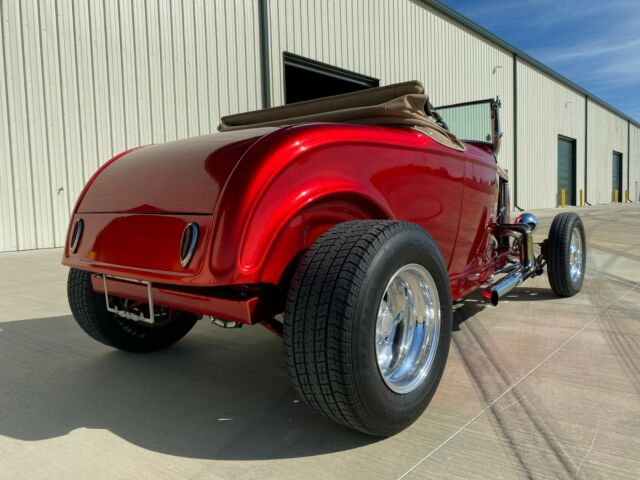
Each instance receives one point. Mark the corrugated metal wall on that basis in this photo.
(84, 80)
(394, 41)
(607, 132)
(546, 109)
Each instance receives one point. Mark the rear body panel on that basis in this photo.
(140, 246)
(185, 176)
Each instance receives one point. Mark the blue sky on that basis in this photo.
(596, 44)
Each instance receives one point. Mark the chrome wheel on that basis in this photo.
(407, 328)
(576, 256)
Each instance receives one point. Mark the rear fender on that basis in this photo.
(298, 232)
(279, 199)
(273, 238)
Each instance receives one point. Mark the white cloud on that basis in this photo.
(564, 54)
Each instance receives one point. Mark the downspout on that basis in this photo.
(265, 78)
(586, 145)
(515, 133)
(628, 159)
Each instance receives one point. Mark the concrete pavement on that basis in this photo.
(538, 387)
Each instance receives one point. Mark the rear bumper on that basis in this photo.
(248, 307)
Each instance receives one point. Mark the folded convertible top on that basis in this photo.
(401, 104)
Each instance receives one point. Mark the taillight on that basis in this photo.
(188, 243)
(76, 235)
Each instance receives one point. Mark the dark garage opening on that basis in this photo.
(617, 177)
(566, 170)
(306, 79)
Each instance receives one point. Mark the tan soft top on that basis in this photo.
(401, 104)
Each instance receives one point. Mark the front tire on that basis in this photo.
(344, 349)
(566, 254)
(90, 312)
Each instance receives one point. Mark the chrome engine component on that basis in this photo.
(527, 218)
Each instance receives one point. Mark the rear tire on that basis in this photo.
(90, 312)
(566, 254)
(332, 324)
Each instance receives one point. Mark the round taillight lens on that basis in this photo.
(188, 243)
(76, 234)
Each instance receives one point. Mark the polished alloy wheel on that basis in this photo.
(576, 255)
(407, 328)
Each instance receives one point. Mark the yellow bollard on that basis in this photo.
(615, 196)
(626, 196)
(562, 197)
(581, 198)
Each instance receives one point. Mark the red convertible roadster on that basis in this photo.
(347, 224)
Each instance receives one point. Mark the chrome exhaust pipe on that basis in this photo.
(514, 275)
(499, 289)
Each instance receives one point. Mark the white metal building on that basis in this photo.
(84, 80)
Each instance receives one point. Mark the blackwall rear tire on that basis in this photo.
(338, 340)
(90, 312)
(566, 254)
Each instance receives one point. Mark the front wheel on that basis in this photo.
(566, 254)
(368, 324)
(90, 312)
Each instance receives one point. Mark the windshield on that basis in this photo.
(469, 121)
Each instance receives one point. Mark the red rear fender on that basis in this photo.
(289, 188)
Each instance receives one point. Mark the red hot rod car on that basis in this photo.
(347, 224)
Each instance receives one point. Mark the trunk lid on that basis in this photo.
(185, 176)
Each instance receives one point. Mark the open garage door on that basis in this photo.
(306, 79)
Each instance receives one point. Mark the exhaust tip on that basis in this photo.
(495, 298)
(491, 295)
